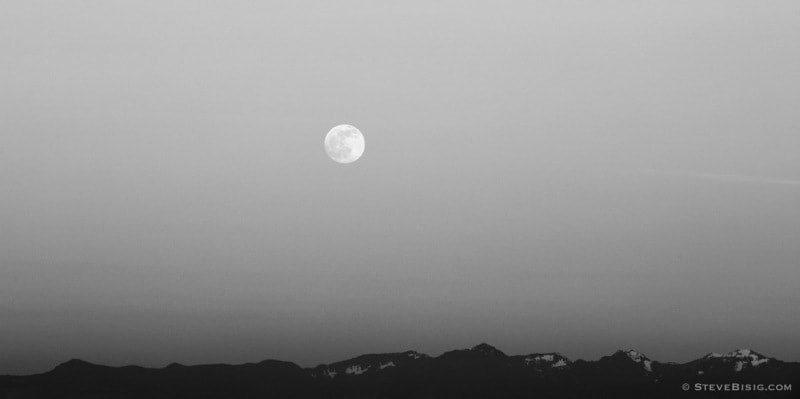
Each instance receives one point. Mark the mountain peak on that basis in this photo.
(486, 349)
(73, 365)
(414, 354)
(636, 357)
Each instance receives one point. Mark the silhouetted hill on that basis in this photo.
(482, 371)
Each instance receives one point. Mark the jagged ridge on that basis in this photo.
(480, 371)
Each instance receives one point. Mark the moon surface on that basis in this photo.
(344, 144)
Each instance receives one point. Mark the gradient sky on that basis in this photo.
(544, 176)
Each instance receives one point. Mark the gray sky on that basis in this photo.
(543, 176)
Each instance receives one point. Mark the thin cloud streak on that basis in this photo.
(725, 177)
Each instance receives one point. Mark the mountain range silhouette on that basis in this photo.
(482, 371)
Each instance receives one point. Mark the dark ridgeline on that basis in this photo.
(480, 372)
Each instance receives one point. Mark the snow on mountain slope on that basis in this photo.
(367, 364)
(639, 357)
(542, 360)
(385, 365)
(740, 358)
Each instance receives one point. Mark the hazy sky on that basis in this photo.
(541, 175)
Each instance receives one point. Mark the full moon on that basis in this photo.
(344, 144)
